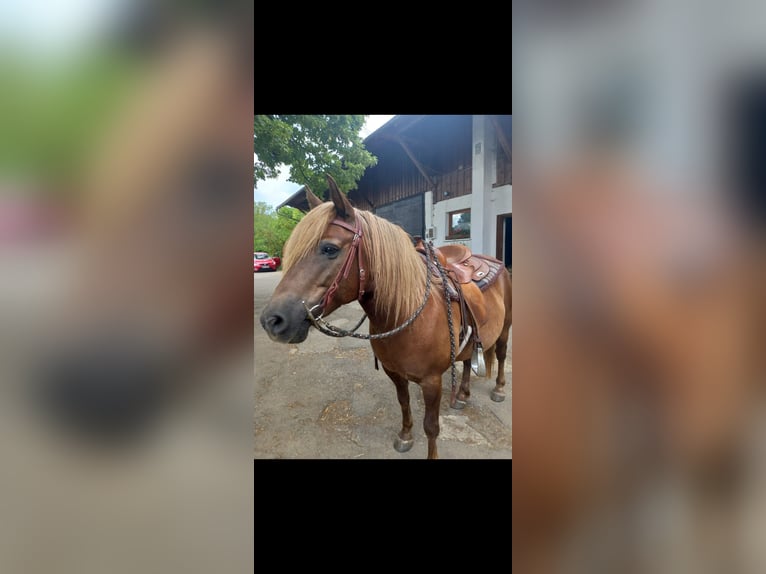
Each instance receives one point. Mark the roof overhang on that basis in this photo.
(297, 200)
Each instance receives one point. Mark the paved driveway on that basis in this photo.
(324, 399)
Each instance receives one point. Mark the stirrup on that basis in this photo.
(478, 365)
(465, 340)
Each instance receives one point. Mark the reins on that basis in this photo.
(332, 331)
(357, 249)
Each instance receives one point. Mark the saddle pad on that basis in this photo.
(494, 265)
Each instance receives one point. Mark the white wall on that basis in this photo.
(428, 211)
(440, 211)
(485, 202)
(502, 199)
(482, 178)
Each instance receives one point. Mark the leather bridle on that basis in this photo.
(356, 251)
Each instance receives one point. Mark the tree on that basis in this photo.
(311, 146)
(272, 228)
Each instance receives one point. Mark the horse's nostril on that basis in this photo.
(285, 322)
(275, 323)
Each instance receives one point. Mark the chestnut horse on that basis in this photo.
(320, 270)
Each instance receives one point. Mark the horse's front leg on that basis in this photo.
(432, 394)
(404, 441)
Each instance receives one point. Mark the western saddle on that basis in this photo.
(464, 269)
(462, 264)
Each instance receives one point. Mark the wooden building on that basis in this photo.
(443, 177)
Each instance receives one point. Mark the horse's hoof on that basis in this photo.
(403, 445)
(497, 396)
(458, 405)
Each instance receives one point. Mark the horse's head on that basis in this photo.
(323, 263)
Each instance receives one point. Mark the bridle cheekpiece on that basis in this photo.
(356, 251)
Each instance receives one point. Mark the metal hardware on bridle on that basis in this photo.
(331, 330)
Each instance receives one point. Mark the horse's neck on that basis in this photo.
(375, 285)
(379, 321)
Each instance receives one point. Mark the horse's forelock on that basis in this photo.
(306, 235)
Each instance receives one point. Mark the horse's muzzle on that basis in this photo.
(286, 322)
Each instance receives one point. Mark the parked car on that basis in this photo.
(265, 262)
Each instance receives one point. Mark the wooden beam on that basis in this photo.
(412, 157)
(501, 137)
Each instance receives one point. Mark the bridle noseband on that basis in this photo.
(356, 250)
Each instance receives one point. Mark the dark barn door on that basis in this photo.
(507, 245)
(407, 213)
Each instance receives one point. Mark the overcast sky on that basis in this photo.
(275, 191)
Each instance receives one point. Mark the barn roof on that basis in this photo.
(297, 200)
(424, 140)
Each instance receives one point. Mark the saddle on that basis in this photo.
(462, 264)
(470, 275)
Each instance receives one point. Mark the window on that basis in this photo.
(459, 224)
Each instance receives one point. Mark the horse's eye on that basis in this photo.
(329, 250)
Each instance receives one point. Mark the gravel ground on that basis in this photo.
(324, 399)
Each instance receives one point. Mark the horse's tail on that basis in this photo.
(489, 357)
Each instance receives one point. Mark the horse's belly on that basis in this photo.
(416, 359)
(493, 328)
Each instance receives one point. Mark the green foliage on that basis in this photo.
(311, 146)
(272, 228)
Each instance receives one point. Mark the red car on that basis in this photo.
(263, 261)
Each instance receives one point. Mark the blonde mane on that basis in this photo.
(395, 268)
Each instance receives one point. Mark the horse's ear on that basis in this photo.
(342, 205)
(313, 200)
